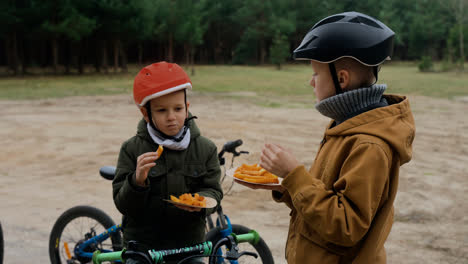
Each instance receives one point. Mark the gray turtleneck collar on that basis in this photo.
(351, 103)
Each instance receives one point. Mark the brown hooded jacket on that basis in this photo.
(342, 208)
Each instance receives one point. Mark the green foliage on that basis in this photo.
(447, 65)
(71, 24)
(219, 31)
(279, 50)
(426, 64)
(262, 20)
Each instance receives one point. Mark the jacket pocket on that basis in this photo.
(312, 237)
(193, 176)
(157, 176)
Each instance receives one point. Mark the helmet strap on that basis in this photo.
(335, 78)
(376, 72)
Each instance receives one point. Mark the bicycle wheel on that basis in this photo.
(75, 226)
(261, 248)
(1, 244)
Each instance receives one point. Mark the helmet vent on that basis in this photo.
(329, 20)
(306, 43)
(365, 21)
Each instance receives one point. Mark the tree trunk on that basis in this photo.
(7, 52)
(55, 54)
(192, 60)
(116, 44)
(80, 57)
(68, 59)
(104, 62)
(140, 54)
(22, 57)
(187, 53)
(170, 55)
(123, 57)
(13, 53)
(262, 51)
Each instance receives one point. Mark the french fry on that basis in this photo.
(188, 199)
(255, 174)
(159, 151)
(175, 199)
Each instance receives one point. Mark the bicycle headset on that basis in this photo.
(349, 34)
(159, 79)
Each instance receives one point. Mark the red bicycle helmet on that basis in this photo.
(159, 79)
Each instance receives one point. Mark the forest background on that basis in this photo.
(71, 36)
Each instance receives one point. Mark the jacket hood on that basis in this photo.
(142, 130)
(393, 123)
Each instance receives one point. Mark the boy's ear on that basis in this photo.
(344, 79)
(188, 104)
(144, 113)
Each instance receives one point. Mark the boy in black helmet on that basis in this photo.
(342, 208)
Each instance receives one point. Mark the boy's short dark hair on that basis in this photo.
(363, 72)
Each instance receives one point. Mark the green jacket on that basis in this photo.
(147, 218)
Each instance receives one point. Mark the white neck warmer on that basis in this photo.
(169, 143)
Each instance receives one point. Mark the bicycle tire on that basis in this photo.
(261, 247)
(1, 244)
(74, 213)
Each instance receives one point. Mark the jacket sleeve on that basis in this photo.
(282, 197)
(344, 214)
(211, 186)
(129, 199)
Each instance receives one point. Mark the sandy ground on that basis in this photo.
(51, 151)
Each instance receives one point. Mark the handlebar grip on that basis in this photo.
(251, 237)
(99, 257)
(173, 254)
(231, 146)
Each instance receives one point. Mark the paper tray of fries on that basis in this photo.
(254, 174)
(190, 201)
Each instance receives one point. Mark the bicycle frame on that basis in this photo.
(204, 249)
(79, 250)
(222, 221)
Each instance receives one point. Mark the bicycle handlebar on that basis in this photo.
(251, 237)
(158, 256)
(230, 147)
(203, 249)
(99, 257)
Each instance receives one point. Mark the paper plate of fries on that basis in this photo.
(196, 200)
(254, 174)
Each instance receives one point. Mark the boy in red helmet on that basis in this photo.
(188, 164)
(342, 208)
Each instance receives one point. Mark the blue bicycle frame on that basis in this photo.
(224, 233)
(79, 250)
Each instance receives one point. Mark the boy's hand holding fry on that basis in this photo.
(144, 163)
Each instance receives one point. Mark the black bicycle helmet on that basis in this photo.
(348, 34)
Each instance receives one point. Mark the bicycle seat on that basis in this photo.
(107, 172)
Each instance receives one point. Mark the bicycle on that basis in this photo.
(71, 244)
(201, 250)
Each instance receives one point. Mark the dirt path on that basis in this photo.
(51, 151)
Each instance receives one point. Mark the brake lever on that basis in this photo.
(237, 154)
(234, 255)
